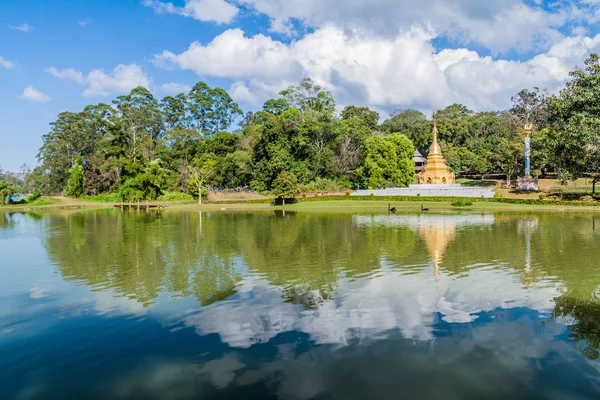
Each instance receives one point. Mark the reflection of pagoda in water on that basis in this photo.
(527, 227)
(436, 238)
(437, 231)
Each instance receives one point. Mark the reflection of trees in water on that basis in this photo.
(141, 255)
(197, 254)
(193, 254)
(6, 220)
(584, 330)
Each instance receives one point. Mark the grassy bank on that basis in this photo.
(379, 205)
(328, 202)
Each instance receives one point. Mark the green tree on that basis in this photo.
(142, 120)
(6, 189)
(388, 159)
(148, 184)
(577, 112)
(368, 116)
(200, 172)
(285, 185)
(211, 109)
(414, 125)
(76, 183)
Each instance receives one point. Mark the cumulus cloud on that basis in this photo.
(22, 28)
(6, 63)
(219, 11)
(121, 79)
(360, 68)
(174, 88)
(522, 25)
(32, 94)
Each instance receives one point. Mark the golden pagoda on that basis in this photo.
(436, 170)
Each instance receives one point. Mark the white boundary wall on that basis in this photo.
(431, 191)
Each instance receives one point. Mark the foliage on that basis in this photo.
(175, 196)
(76, 183)
(577, 112)
(200, 172)
(462, 203)
(146, 185)
(104, 197)
(388, 159)
(6, 189)
(285, 185)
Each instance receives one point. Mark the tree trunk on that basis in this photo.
(199, 194)
(283, 200)
(507, 180)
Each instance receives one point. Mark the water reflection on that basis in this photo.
(294, 305)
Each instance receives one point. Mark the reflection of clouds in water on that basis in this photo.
(493, 361)
(37, 293)
(256, 316)
(367, 308)
(416, 222)
(109, 302)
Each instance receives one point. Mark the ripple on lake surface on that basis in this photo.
(190, 305)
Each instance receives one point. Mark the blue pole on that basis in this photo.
(527, 156)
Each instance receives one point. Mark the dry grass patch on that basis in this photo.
(222, 196)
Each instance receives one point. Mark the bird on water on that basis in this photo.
(392, 209)
(423, 208)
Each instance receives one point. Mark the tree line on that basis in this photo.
(141, 147)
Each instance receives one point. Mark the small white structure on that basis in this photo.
(442, 190)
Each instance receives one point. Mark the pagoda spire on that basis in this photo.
(435, 146)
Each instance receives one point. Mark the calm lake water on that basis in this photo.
(267, 305)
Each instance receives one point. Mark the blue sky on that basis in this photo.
(58, 55)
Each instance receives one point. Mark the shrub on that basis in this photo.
(176, 196)
(347, 193)
(104, 197)
(462, 203)
(542, 196)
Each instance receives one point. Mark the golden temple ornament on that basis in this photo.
(436, 171)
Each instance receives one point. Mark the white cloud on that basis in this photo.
(31, 93)
(22, 28)
(68, 73)
(121, 79)
(218, 11)
(498, 25)
(361, 68)
(6, 63)
(174, 88)
(84, 23)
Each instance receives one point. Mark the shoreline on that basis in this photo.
(326, 204)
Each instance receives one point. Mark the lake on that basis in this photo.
(308, 305)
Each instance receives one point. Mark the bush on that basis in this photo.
(104, 197)
(542, 196)
(30, 198)
(176, 196)
(462, 203)
(347, 193)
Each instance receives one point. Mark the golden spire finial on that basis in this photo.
(435, 146)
